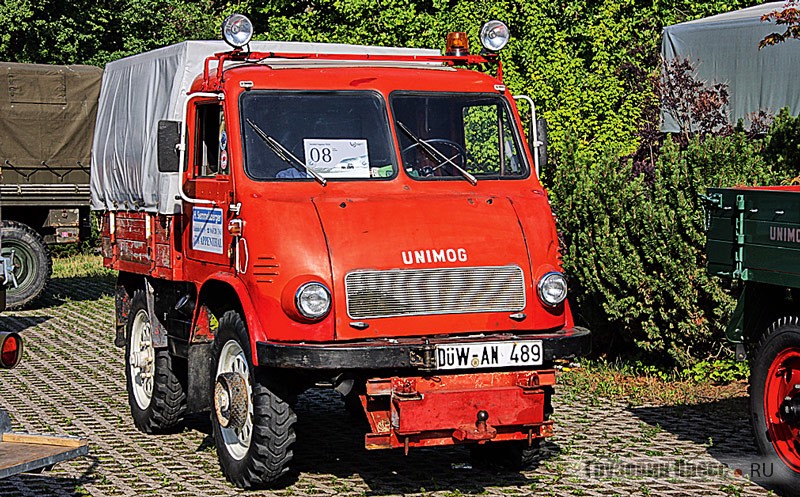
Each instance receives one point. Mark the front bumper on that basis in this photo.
(406, 353)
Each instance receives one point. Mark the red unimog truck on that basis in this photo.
(289, 215)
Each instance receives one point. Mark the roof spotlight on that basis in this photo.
(494, 35)
(237, 30)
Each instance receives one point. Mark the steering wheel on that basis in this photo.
(413, 161)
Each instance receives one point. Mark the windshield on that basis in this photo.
(467, 135)
(325, 135)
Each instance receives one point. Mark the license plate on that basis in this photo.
(489, 354)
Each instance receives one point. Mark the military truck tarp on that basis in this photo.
(47, 115)
(139, 91)
(724, 49)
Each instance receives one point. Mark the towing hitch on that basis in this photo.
(429, 411)
(481, 431)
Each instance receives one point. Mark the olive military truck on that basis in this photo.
(47, 116)
(753, 237)
(286, 215)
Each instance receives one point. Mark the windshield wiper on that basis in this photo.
(285, 155)
(433, 152)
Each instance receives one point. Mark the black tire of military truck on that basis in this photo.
(254, 446)
(155, 393)
(778, 353)
(33, 264)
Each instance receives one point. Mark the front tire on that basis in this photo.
(32, 262)
(775, 400)
(155, 393)
(252, 420)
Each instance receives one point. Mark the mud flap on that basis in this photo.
(157, 332)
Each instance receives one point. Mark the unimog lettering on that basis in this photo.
(429, 256)
(783, 234)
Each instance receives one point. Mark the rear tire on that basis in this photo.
(774, 378)
(155, 393)
(515, 456)
(33, 264)
(254, 449)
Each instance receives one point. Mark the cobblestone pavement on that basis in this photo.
(72, 382)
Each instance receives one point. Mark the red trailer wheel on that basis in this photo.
(775, 401)
(782, 406)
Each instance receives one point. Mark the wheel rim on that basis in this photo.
(142, 359)
(237, 438)
(24, 265)
(781, 398)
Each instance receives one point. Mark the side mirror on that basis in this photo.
(169, 137)
(540, 148)
(537, 134)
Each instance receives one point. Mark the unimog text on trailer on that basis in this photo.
(754, 239)
(289, 215)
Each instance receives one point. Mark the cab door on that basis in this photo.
(206, 235)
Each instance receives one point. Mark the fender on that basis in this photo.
(249, 312)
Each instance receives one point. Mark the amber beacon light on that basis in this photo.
(457, 44)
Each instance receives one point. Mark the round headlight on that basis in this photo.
(237, 30)
(553, 289)
(313, 300)
(494, 35)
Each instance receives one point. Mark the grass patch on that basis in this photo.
(635, 385)
(81, 266)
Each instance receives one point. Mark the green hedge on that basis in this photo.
(635, 247)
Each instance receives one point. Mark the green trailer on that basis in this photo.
(753, 239)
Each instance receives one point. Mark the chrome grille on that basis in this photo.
(416, 292)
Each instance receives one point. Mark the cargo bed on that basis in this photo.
(21, 452)
(753, 234)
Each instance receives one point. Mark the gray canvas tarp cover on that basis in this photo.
(47, 114)
(724, 49)
(139, 91)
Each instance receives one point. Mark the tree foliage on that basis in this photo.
(634, 241)
(583, 62)
(789, 17)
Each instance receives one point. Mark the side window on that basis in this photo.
(489, 141)
(481, 139)
(211, 152)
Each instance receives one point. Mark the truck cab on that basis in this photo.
(363, 218)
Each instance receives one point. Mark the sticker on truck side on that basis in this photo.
(207, 229)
